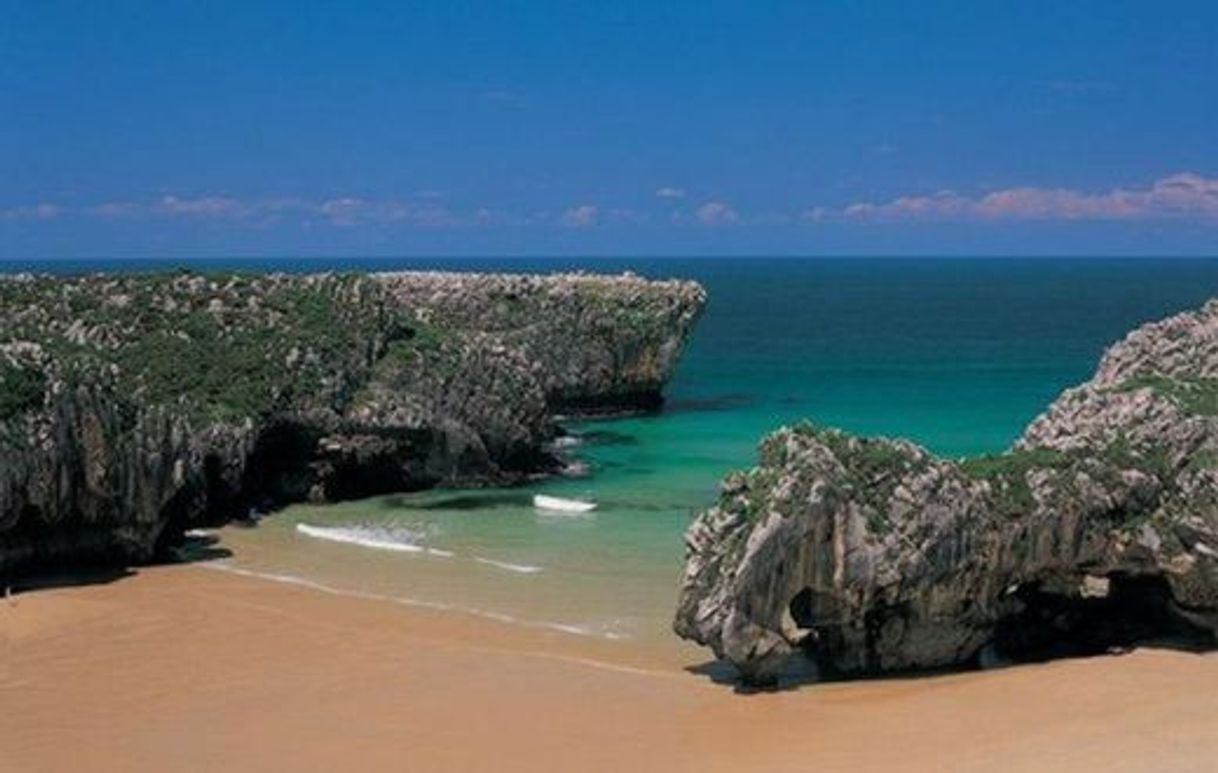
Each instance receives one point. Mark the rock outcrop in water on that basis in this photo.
(133, 407)
(1099, 528)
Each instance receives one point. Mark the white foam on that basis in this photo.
(599, 631)
(519, 568)
(397, 540)
(576, 468)
(304, 582)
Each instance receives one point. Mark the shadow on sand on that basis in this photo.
(75, 578)
(193, 548)
(799, 671)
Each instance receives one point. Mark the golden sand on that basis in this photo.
(185, 668)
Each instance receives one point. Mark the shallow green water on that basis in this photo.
(956, 354)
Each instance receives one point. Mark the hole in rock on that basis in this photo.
(1129, 610)
(801, 608)
(817, 614)
(278, 468)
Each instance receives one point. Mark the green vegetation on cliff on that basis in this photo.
(1010, 464)
(1098, 529)
(1195, 395)
(134, 405)
(226, 347)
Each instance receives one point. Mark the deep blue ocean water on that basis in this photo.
(957, 354)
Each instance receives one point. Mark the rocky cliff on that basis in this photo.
(132, 407)
(594, 352)
(1098, 529)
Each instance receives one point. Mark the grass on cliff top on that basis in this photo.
(1007, 473)
(871, 467)
(1203, 460)
(232, 364)
(1194, 395)
(1120, 453)
(1015, 463)
(228, 346)
(867, 457)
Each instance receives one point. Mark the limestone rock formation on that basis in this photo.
(135, 406)
(620, 335)
(1099, 528)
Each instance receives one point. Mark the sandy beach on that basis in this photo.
(438, 386)
(189, 668)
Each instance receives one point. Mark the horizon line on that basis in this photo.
(621, 256)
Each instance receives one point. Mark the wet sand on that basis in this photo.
(187, 668)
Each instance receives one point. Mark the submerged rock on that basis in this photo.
(135, 406)
(1099, 528)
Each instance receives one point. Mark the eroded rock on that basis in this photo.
(1097, 529)
(133, 407)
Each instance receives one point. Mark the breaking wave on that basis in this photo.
(398, 540)
(519, 568)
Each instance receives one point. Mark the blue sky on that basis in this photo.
(450, 128)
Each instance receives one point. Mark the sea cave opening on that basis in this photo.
(1114, 612)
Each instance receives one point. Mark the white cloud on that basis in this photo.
(42, 211)
(435, 216)
(580, 216)
(340, 211)
(114, 209)
(817, 214)
(204, 207)
(1183, 195)
(349, 211)
(1186, 196)
(717, 213)
(344, 211)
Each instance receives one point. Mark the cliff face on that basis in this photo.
(132, 407)
(601, 344)
(1097, 529)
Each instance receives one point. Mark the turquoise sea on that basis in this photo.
(957, 354)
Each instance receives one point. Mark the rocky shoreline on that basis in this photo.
(133, 407)
(1098, 529)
